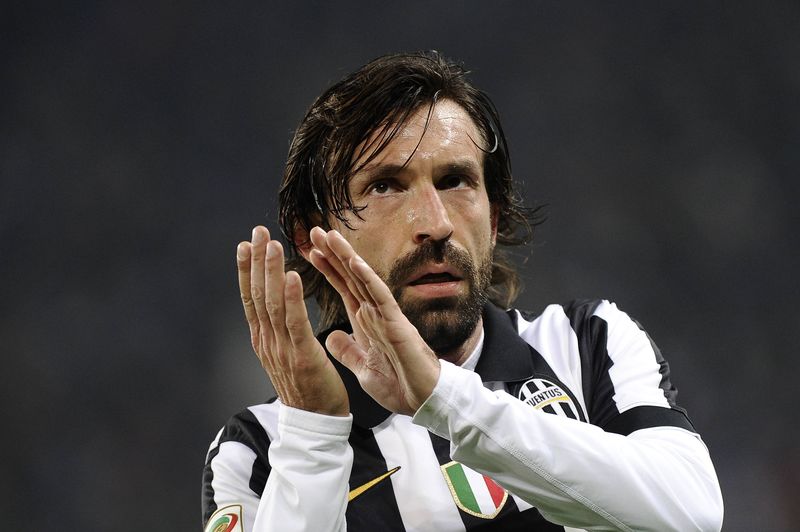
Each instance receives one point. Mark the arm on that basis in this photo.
(309, 456)
(577, 474)
(306, 476)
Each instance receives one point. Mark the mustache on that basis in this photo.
(438, 251)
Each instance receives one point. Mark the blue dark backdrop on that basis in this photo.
(140, 141)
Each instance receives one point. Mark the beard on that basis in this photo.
(444, 323)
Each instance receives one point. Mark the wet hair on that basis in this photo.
(354, 120)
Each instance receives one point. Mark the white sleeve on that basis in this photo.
(310, 461)
(575, 473)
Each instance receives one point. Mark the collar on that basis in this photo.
(505, 358)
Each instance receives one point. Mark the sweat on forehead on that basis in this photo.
(429, 129)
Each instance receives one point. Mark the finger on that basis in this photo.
(320, 239)
(275, 284)
(333, 277)
(344, 251)
(377, 289)
(257, 279)
(351, 304)
(243, 251)
(344, 349)
(297, 323)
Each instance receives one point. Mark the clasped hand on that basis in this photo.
(392, 362)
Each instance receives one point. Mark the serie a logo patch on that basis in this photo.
(548, 396)
(227, 519)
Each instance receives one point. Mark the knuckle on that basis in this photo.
(256, 292)
(272, 307)
(295, 326)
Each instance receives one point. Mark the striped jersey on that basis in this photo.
(536, 435)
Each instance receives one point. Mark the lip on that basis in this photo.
(449, 288)
(435, 269)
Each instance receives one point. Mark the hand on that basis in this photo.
(280, 332)
(392, 362)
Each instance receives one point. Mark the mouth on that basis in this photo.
(434, 278)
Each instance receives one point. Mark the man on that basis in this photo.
(450, 413)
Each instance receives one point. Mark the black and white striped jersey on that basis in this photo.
(569, 419)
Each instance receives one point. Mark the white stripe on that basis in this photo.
(422, 494)
(521, 503)
(635, 372)
(480, 490)
(214, 443)
(232, 468)
(552, 336)
(559, 409)
(267, 416)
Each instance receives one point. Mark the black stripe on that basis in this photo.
(598, 390)
(670, 392)
(528, 521)
(376, 508)
(245, 429)
(644, 417)
(591, 332)
(209, 505)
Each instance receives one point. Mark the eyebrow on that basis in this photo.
(390, 170)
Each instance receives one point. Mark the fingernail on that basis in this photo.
(256, 235)
(272, 249)
(241, 251)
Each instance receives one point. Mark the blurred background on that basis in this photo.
(141, 141)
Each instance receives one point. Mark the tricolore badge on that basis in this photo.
(474, 493)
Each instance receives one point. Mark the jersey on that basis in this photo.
(586, 366)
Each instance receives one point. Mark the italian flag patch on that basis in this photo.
(474, 493)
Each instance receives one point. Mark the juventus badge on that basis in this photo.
(543, 394)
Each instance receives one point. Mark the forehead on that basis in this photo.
(443, 132)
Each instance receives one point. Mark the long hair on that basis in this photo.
(379, 98)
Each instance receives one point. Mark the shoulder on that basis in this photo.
(237, 465)
(581, 317)
(253, 427)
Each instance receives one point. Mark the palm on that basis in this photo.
(386, 353)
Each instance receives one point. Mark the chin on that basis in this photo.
(444, 323)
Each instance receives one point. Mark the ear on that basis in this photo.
(302, 241)
(301, 237)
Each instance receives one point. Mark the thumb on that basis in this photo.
(346, 350)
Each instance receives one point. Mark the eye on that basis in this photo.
(453, 181)
(381, 187)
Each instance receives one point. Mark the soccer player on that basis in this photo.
(427, 403)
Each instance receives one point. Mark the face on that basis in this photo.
(427, 227)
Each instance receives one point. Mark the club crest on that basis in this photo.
(543, 394)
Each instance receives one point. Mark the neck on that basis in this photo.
(462, 352)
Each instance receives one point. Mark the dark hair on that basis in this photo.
(379, 98)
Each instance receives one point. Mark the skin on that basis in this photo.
(415, 191)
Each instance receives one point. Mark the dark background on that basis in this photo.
(139, 142)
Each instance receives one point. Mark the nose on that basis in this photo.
(431, 221)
